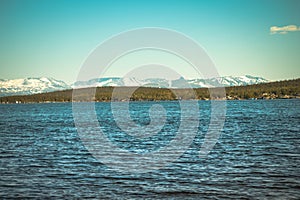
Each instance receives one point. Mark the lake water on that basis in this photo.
(256, 157)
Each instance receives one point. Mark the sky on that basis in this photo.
(53, 38)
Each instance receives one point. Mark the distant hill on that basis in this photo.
(28, 86)
(273, 90)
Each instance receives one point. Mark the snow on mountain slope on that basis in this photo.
(227, 81)
(98, 82)
(30, 86)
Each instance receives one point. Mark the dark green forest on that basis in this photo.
(274, 90)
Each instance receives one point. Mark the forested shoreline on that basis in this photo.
(274, 90)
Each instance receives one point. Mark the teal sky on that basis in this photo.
(53, 38)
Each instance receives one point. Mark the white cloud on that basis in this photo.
(283, 29)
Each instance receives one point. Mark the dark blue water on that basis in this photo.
(256, 157)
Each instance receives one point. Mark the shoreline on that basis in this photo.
(64, 102)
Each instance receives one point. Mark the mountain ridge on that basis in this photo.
(31, 85)
(224, 81)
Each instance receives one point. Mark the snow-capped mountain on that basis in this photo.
(178, 83)
(127, 81)
(41, 85)
(227, 81)
(30, 86)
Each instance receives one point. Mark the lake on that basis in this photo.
(257, 155)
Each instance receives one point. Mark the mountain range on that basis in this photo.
(28, 86)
